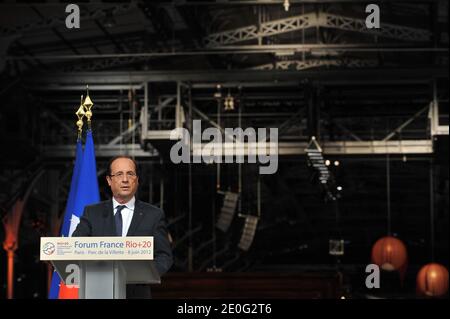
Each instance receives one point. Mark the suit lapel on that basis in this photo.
(138, 214)
(109, 227)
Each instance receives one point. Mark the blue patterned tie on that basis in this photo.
(118, 219)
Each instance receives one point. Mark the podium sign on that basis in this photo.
(103, 265)
(95, 248)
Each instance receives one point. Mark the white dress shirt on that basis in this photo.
(127, 214)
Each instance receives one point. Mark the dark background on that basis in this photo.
(337, 81)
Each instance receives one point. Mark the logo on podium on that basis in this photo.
(49, 248)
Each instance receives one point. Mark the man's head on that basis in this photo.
(122, 178)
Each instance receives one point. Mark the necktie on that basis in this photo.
(118, 219)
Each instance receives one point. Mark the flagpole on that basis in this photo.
(56, 287)
(88, 105)
(80, 114)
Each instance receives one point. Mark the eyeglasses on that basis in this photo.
(120, 175)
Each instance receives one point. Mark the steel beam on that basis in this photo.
(436, 128)
(329, 148)
(283, 49)
(157, 135)
(422, 74)
(103, 150)
(378, 147)
(81, 87)
(284, 149)
(222, 3)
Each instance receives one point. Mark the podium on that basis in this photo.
(101, 266)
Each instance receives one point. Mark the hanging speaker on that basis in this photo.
(227, 211)
(248, 233)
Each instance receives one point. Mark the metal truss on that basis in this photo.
(123, 135)
(406, 123)
(263, 148)
(60, 20)
(151, 134)
(358, 147)
(314, 63)
(322, 19)
(266, 29)
(387, 30)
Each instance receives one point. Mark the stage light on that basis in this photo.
(316, 161)
(390, 254)
(229, 103)
(432, 280)
(336, 247)
(314, 152)
(339, 188)
(218, 93)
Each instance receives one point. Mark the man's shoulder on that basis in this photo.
(99, 206)
(149, 207)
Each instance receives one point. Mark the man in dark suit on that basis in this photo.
(124, 215)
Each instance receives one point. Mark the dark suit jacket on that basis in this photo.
(148, 220)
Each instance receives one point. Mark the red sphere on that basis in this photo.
(432, 280)
(389, 253)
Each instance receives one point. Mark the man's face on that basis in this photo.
(123, 180)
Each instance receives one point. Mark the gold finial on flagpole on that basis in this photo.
(88, 105)
(80, 114)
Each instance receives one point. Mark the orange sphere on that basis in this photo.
(389, 253)
(432, 280)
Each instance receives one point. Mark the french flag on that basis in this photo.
(83, 191)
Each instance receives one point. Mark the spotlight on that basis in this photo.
(339, 188)
(327, 162)
(336, 163)
(218, 93)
